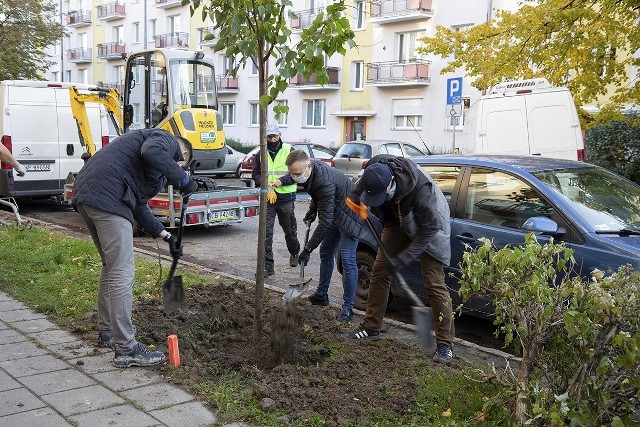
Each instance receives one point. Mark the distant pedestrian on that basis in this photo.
(338, 226)
(284, 204)
(415, 217)
(111, 192)
(7, 157)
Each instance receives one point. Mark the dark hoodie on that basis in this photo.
(416, 193)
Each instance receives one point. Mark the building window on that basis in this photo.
(118, 34)
(407, 114)
(284, 117)
(357, 71)
(228, 64)
(358, 18)
(173, 23)
(118, 74)
(253, 64)
(406, 45)
(254, 113)
(454, 115)
(315, 112)
(82, 76)
(228, 113)
(67, 75)
(55, 76)
(153, 29)
(135, 32)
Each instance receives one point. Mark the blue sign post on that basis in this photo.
(454, 97)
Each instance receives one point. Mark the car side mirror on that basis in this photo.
(543, 225)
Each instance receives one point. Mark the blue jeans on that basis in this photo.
(328, 247)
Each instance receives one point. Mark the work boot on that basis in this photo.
(444, 354)
(293, 260)
(316, 299)
(105, 340)
(345, 315)
(138, 356)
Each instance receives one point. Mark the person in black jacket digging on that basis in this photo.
(110, 192)
(338, 226)
(415, 217)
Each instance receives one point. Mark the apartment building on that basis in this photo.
(382, 89)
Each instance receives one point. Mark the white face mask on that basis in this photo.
(301, 179)
(391, 193)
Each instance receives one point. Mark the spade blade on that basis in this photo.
(173, 294)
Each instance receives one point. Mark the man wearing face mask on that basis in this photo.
(284, 205)
(338, 226)
(415, 217)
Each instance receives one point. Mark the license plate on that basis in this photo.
(38, 167)
(245, 176)
(222, 215)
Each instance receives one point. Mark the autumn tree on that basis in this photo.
(587, 45)
(255, 31)
(26, 28)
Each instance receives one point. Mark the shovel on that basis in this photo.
(422, 315)
(172, 289)
(299, 288)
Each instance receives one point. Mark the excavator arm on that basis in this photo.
(108, 98)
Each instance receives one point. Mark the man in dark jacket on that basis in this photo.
(283, 206)
(338, 226)
(415, 217)
(110, 192)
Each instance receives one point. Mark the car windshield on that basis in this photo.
(603, 199)
(358, 151)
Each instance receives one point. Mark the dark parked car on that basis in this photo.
(315, 151)
(594, 211)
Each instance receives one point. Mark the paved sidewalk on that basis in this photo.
(50, 378)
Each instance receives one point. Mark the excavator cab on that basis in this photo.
(175, 90)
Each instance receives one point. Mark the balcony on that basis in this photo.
(80, 55)
(205, 31)
(168, 4)
(176, 40)
(113, 50)
(226, 84)
(111, 11)
(303, 19)
(114, 85)
(412, 73)
(78, 18)
(392, 11)
(302, 83)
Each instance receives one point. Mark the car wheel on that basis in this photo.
(238, 172)
(365, 260)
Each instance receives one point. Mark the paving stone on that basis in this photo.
(19, 350)
(3, 325)
(32, 365)
(53, 337)
(8, 336)
(53, 382)
(115, 416)
(35, 325)
(82, 400)
(94, 364)
(196, 412)
(5, 297)
(43, 417)
(8, 383)
(19, 315)
(157, 396)
(18, 400)
(76, 349)
(8, 305)
(126, 379)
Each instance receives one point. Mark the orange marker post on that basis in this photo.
(174, 350)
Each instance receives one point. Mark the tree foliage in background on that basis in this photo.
(26, 29)
(586, 45)
(616, 146)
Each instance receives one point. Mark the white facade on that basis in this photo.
(381, 90)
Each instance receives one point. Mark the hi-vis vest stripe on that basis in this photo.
(278, 168)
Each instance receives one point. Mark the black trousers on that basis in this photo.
(285, 211)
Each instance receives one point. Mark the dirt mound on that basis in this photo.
(302, 365)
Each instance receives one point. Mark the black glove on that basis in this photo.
(355, 197)
(191, 186)
(303, 257)
(310, 217)
(176, 251)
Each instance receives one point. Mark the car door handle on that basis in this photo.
(468, 239)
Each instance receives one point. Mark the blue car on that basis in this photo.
(594, 211)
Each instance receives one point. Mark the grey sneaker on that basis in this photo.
(138, 356)
(345, 315)
(293, 260)
(105, 340)
(444, 354)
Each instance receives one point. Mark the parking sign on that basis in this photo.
(454, 91)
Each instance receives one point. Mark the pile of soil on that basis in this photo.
(302, 366)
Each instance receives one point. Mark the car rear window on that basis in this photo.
(358, 151)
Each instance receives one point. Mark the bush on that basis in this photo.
(579, 340)
(237, 145)
(616, 147)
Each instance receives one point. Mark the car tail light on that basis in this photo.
(250, 212)
(192, 218)
(6, 141)
(105, 140)
(581, 155)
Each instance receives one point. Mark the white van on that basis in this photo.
(523, 117)
(37, 126)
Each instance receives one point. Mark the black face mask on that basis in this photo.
(272, 145)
